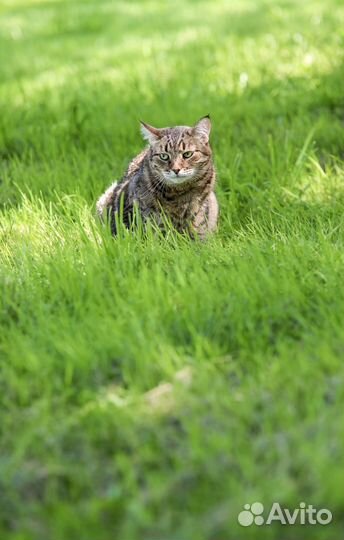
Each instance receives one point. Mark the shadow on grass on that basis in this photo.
(91, 113)
(258, 136)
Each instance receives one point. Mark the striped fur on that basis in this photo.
(173, 179)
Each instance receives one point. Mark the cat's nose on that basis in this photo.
(176, 171)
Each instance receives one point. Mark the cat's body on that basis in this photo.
(173, 179)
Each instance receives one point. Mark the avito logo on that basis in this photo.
(303, 515)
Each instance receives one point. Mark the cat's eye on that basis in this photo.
(164, 157)
(187, 154)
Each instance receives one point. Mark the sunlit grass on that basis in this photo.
(152, 386)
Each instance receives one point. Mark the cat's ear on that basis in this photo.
(202, 127)
(150, 133)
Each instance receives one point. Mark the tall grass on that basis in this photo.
(151, 386)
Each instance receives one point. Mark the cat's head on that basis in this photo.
(179, 154)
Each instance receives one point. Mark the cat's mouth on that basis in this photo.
(172, 178)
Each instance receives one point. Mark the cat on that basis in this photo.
(173, 178)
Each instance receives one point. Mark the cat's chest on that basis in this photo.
(180, 212)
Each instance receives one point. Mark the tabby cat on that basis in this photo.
(173, 179)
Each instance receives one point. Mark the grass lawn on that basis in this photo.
(152, 387)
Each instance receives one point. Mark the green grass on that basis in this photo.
(151, 387)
